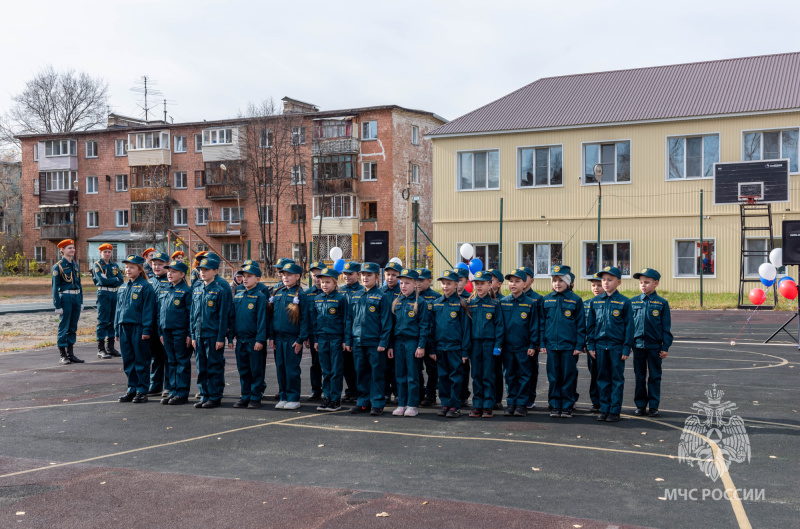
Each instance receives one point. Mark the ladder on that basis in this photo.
(751, 214)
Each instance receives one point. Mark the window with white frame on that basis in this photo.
(232, 215)
(612, 253)
(35, 152)
(369, 171)
(337, 207)
(758, 253)
(232, 251)
(217, 136)
(148, 140)
(771, 145)
(181, 218)
(487, 252)
(91, 185)
(120, 147)
(198, 143)
(615, 157)
(414, 135)
(540, 166)
(36, 187)
(201, 216)
(40, 254)
(92, 219)
(37, 220)
(540, 256)
(264, 252)
(478, 170)
(180, 180)
(692, 156)
(60, 148)
(265, 214)
(414, 173)
(60, 180)
(121, 218)
(298, 135)
(266, 139)
(91, 149)
(180, 143)
(299, 252)
(122, 182)
(690, 258)
(298, 176)
(369, 130)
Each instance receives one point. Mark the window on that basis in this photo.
(613, 253)
(414, 135)
(478, 170)
(232, 252)
(201, 216)
(369, 211)
(264, 176)
(298, 213)
(180, 180)
(217, 136)
(333, 168)
(91, 149)
(322, 244)
(298, 135)
(264, 255)
(92, 219)
(121, 217)
(369, 130)
(120, 147)
(91, 185)
(265, 214)
(488, 253)
(232, 215)
(414, 173)
(199, 179)
(122, 182)
(298, 174)
(333, 207)
(689, 259)
(180, 143)
(298, 252)
(60, 148)
(40, 254)
(540, 166)
(37, 220)
(266, 139)
(540, 256)
(772, 145)
(35, 152)
(692, 156)
(36, 187)
(369, 171)
(332, 128)
(198, 143)
(148, 140)
(760, 254)
(60, 180)
(615, 159)
(181, 217)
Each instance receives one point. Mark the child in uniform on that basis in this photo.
(428, 397)
(391, 289)
(497, 285)
(289, 331)
(328, 326)
(315, 371)
(108, 278)
(528, 291)
(591, 362)
(652, 338)
(175, 306)
(251, 331)
(487, 342)
(159, 382)
(609, 340)
(351, 287)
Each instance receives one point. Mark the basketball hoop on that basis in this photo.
(749, 199)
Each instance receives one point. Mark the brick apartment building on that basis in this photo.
(343, 172)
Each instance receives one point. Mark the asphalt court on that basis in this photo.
(62, 433)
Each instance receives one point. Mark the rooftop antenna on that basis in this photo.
(144, 86)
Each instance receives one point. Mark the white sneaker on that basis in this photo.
(291, 405)
(281, 405)
(399, 411)
(411, 412)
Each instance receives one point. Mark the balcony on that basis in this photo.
(334, 186)
(223, 228)
(149, 194)
(57, 198)
(221, 191)
(57, 232)
(149, 148)
(325, 147)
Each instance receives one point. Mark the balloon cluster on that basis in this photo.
(768, 273)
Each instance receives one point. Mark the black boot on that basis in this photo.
(64, 358)
(101, 350)
(72, 358)
(110, 348)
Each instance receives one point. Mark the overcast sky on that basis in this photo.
(211, 58)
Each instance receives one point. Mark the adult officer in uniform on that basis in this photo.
(108, 278)
(68, 300)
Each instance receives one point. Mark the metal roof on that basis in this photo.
(702, 89)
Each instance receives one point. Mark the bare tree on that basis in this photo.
(56, 101)
(10, 206)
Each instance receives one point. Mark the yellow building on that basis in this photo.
(657, 133)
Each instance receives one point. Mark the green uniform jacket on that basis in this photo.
(310, 294)
(370, 321)
(610, 322)
(564, 326)
(211, 308)
(282, 327)
(174, 307)
(450, 325)
(349, 290)
(522, 326)
(330, 316)
(487, 320)
(66, 276)
(410, 324)
(136, 304)
(250, 320)
(107, 275)
(652, 322)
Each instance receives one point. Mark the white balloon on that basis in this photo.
(467, 251)
(335, 253)
(396, 260)
(776, 257)
(767, 271)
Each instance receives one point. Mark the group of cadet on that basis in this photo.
(374, 338)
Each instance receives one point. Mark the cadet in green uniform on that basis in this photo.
(528, 291)
(315, 371)
(328, 325)
(174, 308)
(277, 287)
(134, 324)
(487, 342)
(68, 300)
(591, 362)
(450, 328)
(289, 331)
(350, 287)
(427, 391)
(159, 384)
(497, 285)
(563, 339)
(108, 278)
(520, 340)
(368, 332)
(251, 332)
(148, 256)
(211, 305)
(609, 340)
(652, 338)
(463, 279)
(391, 289)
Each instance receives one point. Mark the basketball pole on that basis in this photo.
(702, 264)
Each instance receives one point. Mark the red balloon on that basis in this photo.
(788, 289)
(468, 288)
(757, 296)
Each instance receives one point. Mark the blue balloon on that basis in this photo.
(767, 282)
(784, 278)
(462, 265)
(475, 266)
(338, 265)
